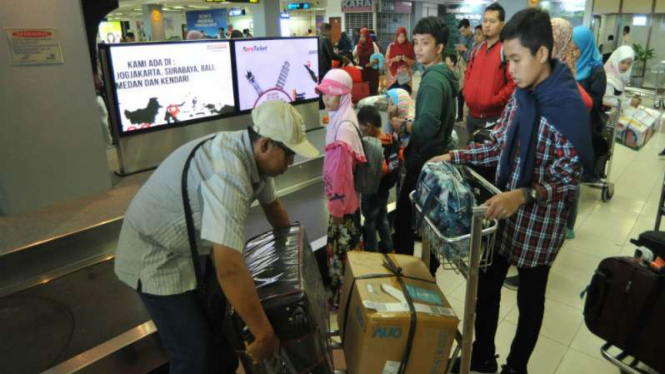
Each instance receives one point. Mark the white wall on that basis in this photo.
(334, 9)
(178, 19)
(299, 23)
(51, 145)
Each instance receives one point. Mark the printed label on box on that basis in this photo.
(391, 367)
(425, 295)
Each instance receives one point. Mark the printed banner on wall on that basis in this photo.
(357, 5)
(207, 21)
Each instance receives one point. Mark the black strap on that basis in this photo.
(396, 271)
(189, 219)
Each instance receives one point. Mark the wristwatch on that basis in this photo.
(402, 128)
(530, 195)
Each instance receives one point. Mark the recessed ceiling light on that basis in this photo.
(178, 7)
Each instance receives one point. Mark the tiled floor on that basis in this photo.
(603, 229)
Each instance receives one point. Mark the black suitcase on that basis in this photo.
(289, 285)
(653, 240)
(625, 305)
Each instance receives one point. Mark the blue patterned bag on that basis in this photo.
(447, 199)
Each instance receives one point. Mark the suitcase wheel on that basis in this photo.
(607, 193)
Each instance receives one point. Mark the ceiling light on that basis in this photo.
(178, 7)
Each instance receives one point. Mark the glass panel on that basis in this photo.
(654, 77)
(572, 10)
(638, 34)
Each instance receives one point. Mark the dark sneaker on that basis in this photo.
(485, 367)
(506, 370)
(512, 283)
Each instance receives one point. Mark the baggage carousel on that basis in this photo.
(62, 309)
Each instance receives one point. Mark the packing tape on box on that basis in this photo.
(404, 307)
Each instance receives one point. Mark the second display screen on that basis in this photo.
(276, 69)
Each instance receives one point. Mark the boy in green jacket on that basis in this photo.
(431, 131)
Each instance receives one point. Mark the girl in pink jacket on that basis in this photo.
(342, 153)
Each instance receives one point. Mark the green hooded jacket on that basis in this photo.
(431, 134)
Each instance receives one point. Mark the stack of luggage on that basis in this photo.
(289, 285)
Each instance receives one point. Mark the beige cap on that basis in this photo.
(281, 122)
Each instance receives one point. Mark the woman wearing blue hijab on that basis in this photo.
(589, 58)
(591, 76)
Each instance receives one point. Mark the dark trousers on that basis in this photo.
(474, 124)
(460, 105)
(572, 216)
(531, 305)
(375, 210)
(187, 334)
(404, 238)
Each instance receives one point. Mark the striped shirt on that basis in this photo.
(223, 181)
(534, 235)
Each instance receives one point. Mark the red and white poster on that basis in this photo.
(34, 46)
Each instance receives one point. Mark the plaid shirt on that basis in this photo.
(535, 233)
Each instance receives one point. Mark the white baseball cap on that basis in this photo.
(281, 122)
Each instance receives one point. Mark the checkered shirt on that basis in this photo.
(535, 233)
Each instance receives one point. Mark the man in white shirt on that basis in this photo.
(227, 173)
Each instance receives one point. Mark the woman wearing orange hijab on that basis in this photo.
(400, 58)
(363, 51)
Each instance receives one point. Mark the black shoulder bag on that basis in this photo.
(208, 289)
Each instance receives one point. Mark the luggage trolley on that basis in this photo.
(654, 241)
(619, 361)
(481, 243)
(604, 184)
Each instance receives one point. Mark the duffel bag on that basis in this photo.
(625, 305)
(446, 198)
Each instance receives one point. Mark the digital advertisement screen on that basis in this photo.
(276, 69)
(164, 84)
(110, 32)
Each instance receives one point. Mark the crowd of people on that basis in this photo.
(539, 90)
(536, 86)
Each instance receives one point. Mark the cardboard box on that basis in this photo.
(374, 319)
(636, 126)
